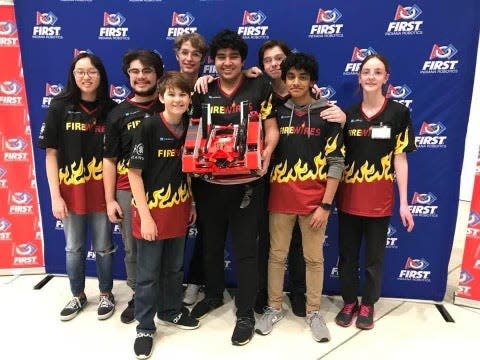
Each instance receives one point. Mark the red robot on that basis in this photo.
(230, 151)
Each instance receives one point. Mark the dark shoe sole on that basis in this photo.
(364, 327)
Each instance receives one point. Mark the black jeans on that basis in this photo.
(219, 208)
(195, 271)
(351, 230)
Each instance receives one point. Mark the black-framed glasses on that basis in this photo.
(144, 71)
(81, 73)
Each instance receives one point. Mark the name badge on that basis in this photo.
(381, 132)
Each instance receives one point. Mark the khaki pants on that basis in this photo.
(281, 226)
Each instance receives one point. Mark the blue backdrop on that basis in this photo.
(431, 46)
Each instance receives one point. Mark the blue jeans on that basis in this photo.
(124, 199)
(159, 281)
(75, 228)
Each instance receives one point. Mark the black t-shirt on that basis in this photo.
(367, 184)
(299, 172)
(121, 124)
(77, 132)
(157, 151)
(225, 109)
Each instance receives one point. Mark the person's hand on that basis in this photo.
(114, 212)
(252, 72)
(201, 85)
(407, 218)
(59, 208)
(319, 218)
(192, 217)
(334, 114)
(316, 91)
(266, 156)
(148, 229)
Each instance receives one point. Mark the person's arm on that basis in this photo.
(192, 216)
(401, 172)
(272, 135)
(148, 227)
(114, 211)
(59, 207)
(320, 215)
(336, 163)
(334, 114)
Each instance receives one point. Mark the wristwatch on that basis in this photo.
(326, 206)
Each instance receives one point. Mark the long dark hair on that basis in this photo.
(72, 94)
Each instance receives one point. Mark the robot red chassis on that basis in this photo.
(230, 151)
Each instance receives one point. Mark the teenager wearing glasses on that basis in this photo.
(143, 68)
(72, 135)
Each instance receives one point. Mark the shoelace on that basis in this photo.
(365, 310)
(74, 303)
(348, 308)
(315, 315)
(245, 322)
(270, 310)
(105, 302)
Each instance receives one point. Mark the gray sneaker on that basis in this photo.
(270, 316)
(317, 324)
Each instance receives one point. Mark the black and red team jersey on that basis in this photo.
(367, 184)
(77, 132)
(300, 165)
(225, 109)
(121, 124)
(157, 151)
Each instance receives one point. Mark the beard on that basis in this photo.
(148, 92)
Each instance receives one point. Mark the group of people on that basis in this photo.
(108, 163)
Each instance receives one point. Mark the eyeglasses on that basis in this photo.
(144, 71)
(82, 73)
(278, 58)
(374, 73)
(194, 54)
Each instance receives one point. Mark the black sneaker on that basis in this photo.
(298, 302)
(345, 316)
(128, 315)
(203, 307)
(182, 320)
(244, 330)
(106, 306)
(73, 307)
(143, 345)
(365, 317)
(261, 302)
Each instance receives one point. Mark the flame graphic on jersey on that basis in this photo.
(402, 142)
(122, 167)
(266, 108)
(368, 173)
(75, 175)
(282, 174)
(164, 198)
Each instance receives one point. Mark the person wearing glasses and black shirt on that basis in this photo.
(143, 68)
(72, 135)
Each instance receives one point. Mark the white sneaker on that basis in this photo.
(191, 294)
